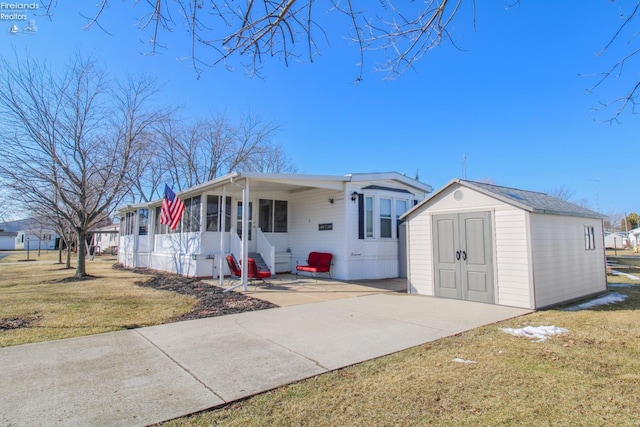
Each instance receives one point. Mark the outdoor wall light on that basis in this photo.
(331, 201)
(354, 196)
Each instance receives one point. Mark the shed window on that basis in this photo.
(589, 238)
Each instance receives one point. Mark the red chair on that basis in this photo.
(318, 262)
(235, 273)
(253, 274)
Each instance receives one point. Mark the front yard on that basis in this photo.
(587, 376)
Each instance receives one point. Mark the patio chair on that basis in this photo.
(254, 275)
(235, 273)
(317, 262)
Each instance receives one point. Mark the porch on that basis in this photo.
(289, 289)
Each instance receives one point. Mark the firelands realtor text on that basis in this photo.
(16, 11)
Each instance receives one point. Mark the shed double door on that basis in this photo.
(462, 248)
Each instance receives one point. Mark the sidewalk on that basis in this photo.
(148, 375)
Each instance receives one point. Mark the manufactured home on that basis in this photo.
(281, 218)
(482, 242)
(7, 240)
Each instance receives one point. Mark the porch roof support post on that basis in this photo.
(222, 211)
(245, 234)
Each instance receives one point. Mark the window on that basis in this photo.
(401, 207)
(143, 222)
(191, 215)
(380, 216)
(127, 223)
(239, 219)
(265, 215)
(385, 218)
(272, 215)
(589, 238)
(368, 217)
(214, 220)
(160, 228)
(280, 216)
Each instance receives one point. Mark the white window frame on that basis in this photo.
(373, 218)
(589, 237)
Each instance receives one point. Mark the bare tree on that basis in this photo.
(562, 193)
(221, 30)
(627, 36)
(216, 146)
(70, 137)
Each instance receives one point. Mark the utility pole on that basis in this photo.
(464, 166)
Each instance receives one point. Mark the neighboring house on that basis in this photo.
(354, 217)
(7, 240)
(482, 242)
(105, 240)
(633, 237)
(30, 228)
(34, 240)
(616, 241)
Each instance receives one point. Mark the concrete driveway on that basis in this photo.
(148, 375)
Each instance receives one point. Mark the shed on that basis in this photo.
(483, 242)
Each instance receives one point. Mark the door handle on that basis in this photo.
(458, 255)
(464, 255)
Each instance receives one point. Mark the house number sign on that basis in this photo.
(324, 227)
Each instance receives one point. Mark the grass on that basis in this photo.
(588, 377)
(41, 295)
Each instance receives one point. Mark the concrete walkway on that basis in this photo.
(148, 375)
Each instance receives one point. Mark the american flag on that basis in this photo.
(172, 209)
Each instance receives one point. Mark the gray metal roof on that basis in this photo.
(532, 200)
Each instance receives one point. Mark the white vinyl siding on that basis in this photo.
(420, 255)
(512, 257)
(563, 269)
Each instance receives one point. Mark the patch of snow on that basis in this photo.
(620, 273)
(610, 298)
(620, 285)
(539, 333)
(458, 360)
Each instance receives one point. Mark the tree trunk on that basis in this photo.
(81, 270)
(68, 262)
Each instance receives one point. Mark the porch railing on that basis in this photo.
(235, 244)
(267, 250)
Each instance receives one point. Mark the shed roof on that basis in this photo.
(531, 201)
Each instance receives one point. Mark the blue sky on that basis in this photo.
(513, 101)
